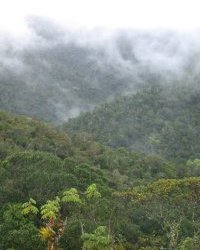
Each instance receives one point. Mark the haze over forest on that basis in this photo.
(99, 125)
(57, 72)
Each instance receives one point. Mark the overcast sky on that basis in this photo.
(145, 14)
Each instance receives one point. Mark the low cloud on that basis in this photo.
(68, 70)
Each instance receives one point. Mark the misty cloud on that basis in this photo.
(60, 71)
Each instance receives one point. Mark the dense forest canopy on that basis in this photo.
(157, 120)
(99, 140)
(40, 162)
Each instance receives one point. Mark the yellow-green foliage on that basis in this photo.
(71, 195)
(51, 209)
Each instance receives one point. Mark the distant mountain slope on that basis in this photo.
(158, 120)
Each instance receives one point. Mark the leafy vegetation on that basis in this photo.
(54, 215)
(173, 206)
(120, 210)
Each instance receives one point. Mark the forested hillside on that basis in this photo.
(40, 162)
(99, 139)
(157, 120)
